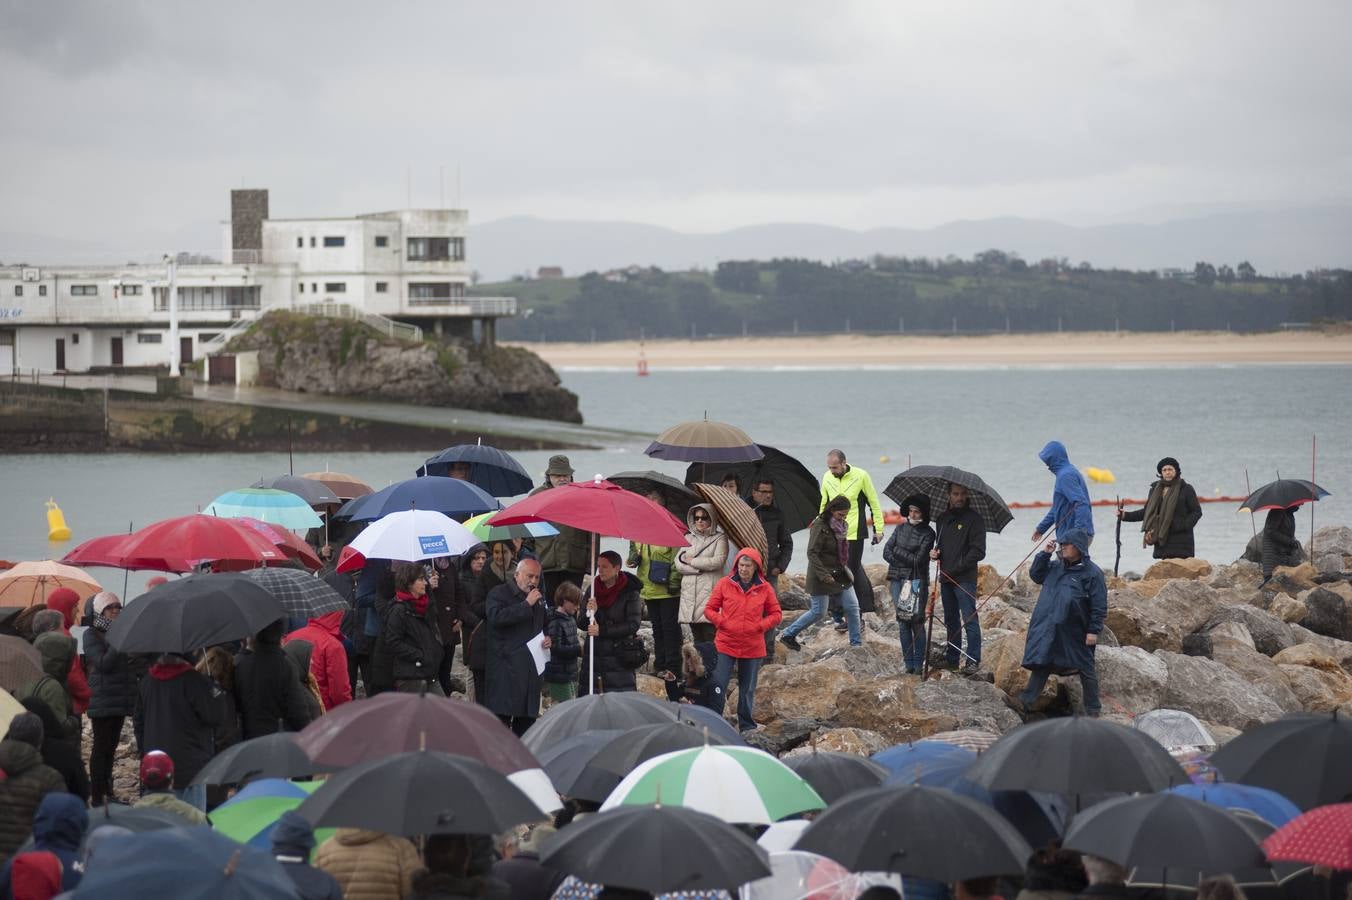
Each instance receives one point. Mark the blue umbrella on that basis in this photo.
(266, 504)
(448, 496)
(1267, 805)
(491, 469)
(924, 762)
(187, 864)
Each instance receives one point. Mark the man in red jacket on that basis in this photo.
(742, 607)
(328, 662)
(65, 601)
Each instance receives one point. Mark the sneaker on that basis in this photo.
(790, 641)
(842, 627)
(969, 668)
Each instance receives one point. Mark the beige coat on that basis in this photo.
(701, 565)
(369, 865)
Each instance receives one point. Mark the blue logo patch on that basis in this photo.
(433, 545)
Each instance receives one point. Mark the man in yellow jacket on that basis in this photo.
(851, 482)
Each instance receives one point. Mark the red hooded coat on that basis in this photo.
(328, 662)
(743, 616)
(64, 601)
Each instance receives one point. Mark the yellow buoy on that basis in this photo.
(1102, 476)
(883, 459)
(57, 529)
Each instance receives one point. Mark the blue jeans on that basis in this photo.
(912, 633)
(818, 609)
(193, 795)
(748, 670)
(959, 607)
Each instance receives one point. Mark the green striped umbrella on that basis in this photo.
(249, 816)
(739, 785)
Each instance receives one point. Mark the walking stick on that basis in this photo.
(1118, 560)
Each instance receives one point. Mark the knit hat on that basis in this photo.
(103, 600)
(26, 727)
(157, 771)
(64, 600)
(293, 832)
(1168, 461)
(559, 465)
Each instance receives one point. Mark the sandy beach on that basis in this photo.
(1075, 349)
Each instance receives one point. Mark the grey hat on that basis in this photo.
(26, 727)
(559, 465)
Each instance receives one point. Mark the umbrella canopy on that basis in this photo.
(424, 792)
(251, 814)
(495, 471)
(105, 550)
(924, 762)
(1321, 837)
(413, 534)
(1165, 831)
(833, 775)
(798, 494)
(624, 753)
(933, 482)
(343, 486)
(781, 836)
(316, 493)
(973, 739)
(704, 717)
(1076, 755)
(1283, 493)
(563, 762)
(736, 518)
(1266, 876)
(181, 544)
(20, 662)
(676, 497)
(599, 507)
(29, 583)
(1267, 805)
(704, 441)
(740, 785)
(448, 496)
(595, 712)
(286, 540)
(302, 595)
(135, 818)
(876, 831)
(797, 875)
(270, 756)
(275, 507)
(479, 527)
(1175, 729)
(1302, 757)
(631, 847)
(9, 707)
(187, 864)
(194, 612)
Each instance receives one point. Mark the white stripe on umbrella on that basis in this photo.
(535, 784)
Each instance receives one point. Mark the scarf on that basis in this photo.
(101, 623)
(419, 604)
(606, 596)
(1160, 508)
(842, 545)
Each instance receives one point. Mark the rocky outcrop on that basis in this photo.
(1190, 568)
(337, 356)
(1135, 680)
(1214, 693)
(843, 740)
(1326, 613)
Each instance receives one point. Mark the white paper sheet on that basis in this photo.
(538, 652)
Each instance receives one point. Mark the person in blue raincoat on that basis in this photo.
(1067, 619)
(1070, 495)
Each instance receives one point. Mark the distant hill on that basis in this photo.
(1273, 241)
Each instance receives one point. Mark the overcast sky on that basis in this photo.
(129, 121)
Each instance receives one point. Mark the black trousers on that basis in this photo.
(518, 724)
(863, 591)
(480, 686)
(444, 670)
(107, 731)
(665, 614)
(359, 666)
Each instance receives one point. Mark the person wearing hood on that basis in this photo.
(33, 875)
(292, 840)
(907, 555)
(301, 653)
(515, 615)
(459, 867)
(369, 865)
(700, 566)
(1279, 545)
(114, 683)
(615, 613)
(473, 599)
(1170, 514)
(56, 650)
(829, 579)
(328, 661)
(24, 781)
(567, 555)
(62, 754)
(178, 712)
(410, 633)
(1064, 627)
(1070, 495)
(59, 829)
(66, 602)
(268, 690)
(743, 607)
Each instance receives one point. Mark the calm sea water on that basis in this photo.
(1217, 421)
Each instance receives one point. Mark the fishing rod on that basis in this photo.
(1118, 560)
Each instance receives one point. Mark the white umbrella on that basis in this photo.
(412, 535)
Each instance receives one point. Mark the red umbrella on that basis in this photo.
(1321, 837)
(181, 544)
(601, 507)
(288, 541)
(350, 560)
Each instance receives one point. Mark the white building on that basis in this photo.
(405, 265)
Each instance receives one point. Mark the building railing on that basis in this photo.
(387, 327)
(218, 342)
(469, 306)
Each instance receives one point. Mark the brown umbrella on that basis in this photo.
(347, 487)
(29, 583)
(973, 739)
(738, 520)
(704, 441)
(20, 663)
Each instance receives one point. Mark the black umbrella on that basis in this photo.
(833, 775)
(1283, 493)
(563, 762)
(933, 482)
(424, 792)
(658, 849)
(270, 756)
(313, 492)
(798, 494)
(623, 754)
(1248, 878)
(918, 831)
(496, 472)
(1165, 831)
(1305, 758)
(192, 613)
(618, 712)
(1076, 755)
(676, 497)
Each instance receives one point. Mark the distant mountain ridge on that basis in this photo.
(1274, 241)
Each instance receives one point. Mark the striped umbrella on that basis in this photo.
(250, 815)
(739, 785)
(479, 527)
(275, 507)
(704, 441)
(737, 519)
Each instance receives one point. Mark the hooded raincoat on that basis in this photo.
(328, 661)
(700, 564)
(1073, 603)
(1070, 496)
(743, 615)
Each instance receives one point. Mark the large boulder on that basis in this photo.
(1253, 551)
(988, 581)
(1326, 613)
(1215, 693)
(872, 659)
(996, 613)
(1339, 650)
(1240, 574)
(1292, 579)
(889, 707)
(1260, 671)
(1335, 539)
(1161, 621)
(1190, 568)
(973, 704)
(1135, 679)
(1002, 656)
(782, 735)
(1290, 610)
(792, 596)
(842, 740)
(1230, 634)
(1320, 690)
(799, 692)
(1270, 634)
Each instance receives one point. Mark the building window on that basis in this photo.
(312, 242)
(75, 337)
(220, 297)
(300, 243)
(382, 287)
(84, 290)
(206, 337)
(132, 290)
(435, 293)
(42, 290)
(149, 337)
(302, 287)
(430, 248)
(18, 290)
(314, 287)
(338, 241)
(335, 287)
(382, 240)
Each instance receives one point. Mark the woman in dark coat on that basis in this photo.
(114, 685)
(618, 612)
(1280, 547)
(907, 555)
(1170, 513)
(410, 633)
(472, 596)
